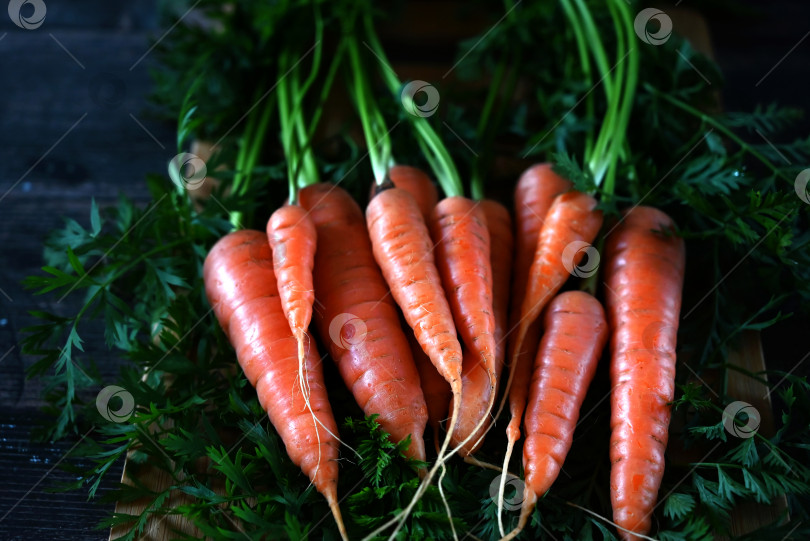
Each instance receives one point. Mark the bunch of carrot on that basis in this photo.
(444, 267)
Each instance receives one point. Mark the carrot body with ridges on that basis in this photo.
(644, 279)
(404, 251)
(575, 335)
(458, 229)
(534, 194)
(435, 388)
(292, 239)
(357, 319)
(241, 288)
(474, 376)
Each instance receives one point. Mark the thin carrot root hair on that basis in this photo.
(510, 445)
(303, 382)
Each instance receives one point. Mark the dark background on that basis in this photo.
(76, 126)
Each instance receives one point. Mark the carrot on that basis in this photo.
(475, 380)
(502, 245)
(241, 287)
(535, 191)
(292, 239)
(356, 317)
(459, 231)
(404, 251)
(644, 279)
(576, 333)
(570, 219)
(436, 389)
(534, 194)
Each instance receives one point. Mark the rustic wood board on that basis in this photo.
(746, 517)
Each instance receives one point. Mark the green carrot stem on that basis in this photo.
(585, 61)
(442, 163)
(378, 142)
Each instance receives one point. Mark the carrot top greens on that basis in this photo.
(631, 121)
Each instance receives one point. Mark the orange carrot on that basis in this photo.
(241, 287)
(292, 239)
(357, 319)
(459, 230)
(404, 251)
(534, 194)
(571, 218)
(502, 245)
(575, 335)
(643, 279)
(475, 380)
(436, 389)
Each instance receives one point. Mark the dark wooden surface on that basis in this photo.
(69, 135)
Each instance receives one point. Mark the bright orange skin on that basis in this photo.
(644, 280)
(241, 287)
(292, 238)
(436, 389)
(570, 218)
(575, 336)
(377, 367)
(404, 251)
(502, 246)
(474, 376)
(459, 230)
(534, 193)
